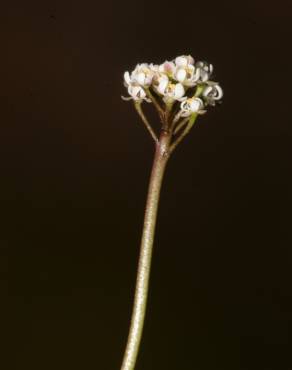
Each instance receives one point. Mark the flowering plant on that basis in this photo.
(180, 90)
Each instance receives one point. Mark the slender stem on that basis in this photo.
(156, 104)
(175, 120)
(184, 133)
(142, 283)
(167, 115)
(180, 125)
(144, 119)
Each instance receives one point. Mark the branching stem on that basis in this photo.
(184, 133)
(145, 120)
(180, 125)
(156, 104)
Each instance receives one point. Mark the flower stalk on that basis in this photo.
(145, 120)
(184, 81)
(143, 274)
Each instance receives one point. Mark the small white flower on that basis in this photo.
(137, 93)
(139, 79)
(205, 70)
(212, 92)
(185, 71)
(192, 105)
(170, 91)
(142, 76)
(188, 75)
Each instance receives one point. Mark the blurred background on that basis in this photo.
(75, 163)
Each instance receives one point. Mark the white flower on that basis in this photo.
(188, 75)
(205, 70)
(142, 76)
(192, 105)
(212, 92)
(171, 79)
(137, 93)
(170, 91)
(185, 71)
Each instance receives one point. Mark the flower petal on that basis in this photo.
(181, 74)
(127, 78)
(179, 91)
(181, 61)
(140, 78)
(196, 104)
(219, 92)
(163, 82)
(126, 98)
(207, 90)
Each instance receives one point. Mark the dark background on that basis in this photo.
(75, 163)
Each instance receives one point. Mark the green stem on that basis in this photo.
(180, 125)
(187, 129)
(156, 104)
(142, 283)
(145, 121)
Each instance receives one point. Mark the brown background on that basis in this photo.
(75, 163)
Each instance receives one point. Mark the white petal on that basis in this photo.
(136, 92)
(126, 98)
(184, 105)
(197, 75)
(141, 93)
(181, 61)
(179, 91)
(141, 78)
(127, 78)
(204, 75)
(162, 84)
(180, 74)
(207, 90)
(196, 104)
(219, 91)
(132, 90)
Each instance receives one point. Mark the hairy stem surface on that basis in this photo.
(142, 283)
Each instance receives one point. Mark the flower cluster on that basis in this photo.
(181, 79)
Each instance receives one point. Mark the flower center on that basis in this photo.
(170, 88)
